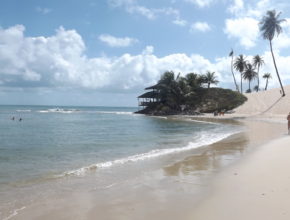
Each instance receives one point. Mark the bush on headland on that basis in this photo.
(188, 95)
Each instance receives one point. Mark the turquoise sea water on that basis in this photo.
(57, 141)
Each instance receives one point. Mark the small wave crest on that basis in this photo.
(23, 110)
(204, 122)
(14, 213)
(113, 112)
(59, 110)
(203, 140)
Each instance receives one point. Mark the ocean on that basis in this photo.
(44, 149)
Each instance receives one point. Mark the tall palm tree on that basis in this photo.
(232, 69)
(257, 63)
(210, 78)
(249, 74)
(239, 65)
(270, 26)
(267, 76)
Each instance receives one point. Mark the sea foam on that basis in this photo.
(203, 140)
(59, 110)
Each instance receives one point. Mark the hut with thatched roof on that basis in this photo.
(149, 97)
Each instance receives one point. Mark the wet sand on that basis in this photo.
(258, 187)
(171, 191)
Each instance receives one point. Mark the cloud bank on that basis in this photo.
(116, 41)
(59, 61)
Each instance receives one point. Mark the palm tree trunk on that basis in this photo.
(208, 85)
(266, 83)
(241, 83)
(258, 79)
(283, 92)
(237, 88)
(249, 85)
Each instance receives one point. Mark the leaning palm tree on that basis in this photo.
(210, 78)
(239, 65)
(257, 63)
(249, 74)
(270, 26)
(267, 76)
(232, 69)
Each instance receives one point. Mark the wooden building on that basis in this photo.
(149, 97)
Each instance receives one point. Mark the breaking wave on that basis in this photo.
(204, 140)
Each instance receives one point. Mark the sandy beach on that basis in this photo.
(241, 177)
(257, 187)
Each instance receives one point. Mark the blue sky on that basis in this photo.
(105, 52)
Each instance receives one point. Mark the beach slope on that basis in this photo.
(266, 103)
(256, 188)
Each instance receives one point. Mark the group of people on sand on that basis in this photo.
(14, 119)
(221, 113)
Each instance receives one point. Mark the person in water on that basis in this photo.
(20, 119)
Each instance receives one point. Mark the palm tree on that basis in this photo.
(267, 76)
(210, 78)
(192, 80)
(232, 69)
(270, 26)
(257, 63)
(249, 74)
(239, 65)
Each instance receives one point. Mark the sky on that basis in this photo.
(105, 52)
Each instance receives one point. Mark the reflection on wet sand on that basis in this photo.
(212, 158)
(218, 155)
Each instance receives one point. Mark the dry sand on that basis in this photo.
(266, 103)
(258, 187)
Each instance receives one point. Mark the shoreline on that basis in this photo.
(184, 181)
(256, 186)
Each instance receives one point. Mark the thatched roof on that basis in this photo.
(157, 86)
(150, 94)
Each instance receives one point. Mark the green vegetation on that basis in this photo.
(239, 65)
(271, 26)
(267, 76)
(257, 63)
(231, 54)
(188, 95)
(192, 93)
(249, 74)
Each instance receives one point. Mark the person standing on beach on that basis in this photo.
(288, 118)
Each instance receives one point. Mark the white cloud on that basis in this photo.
(200, 3)
(283, 40)
(200, 26)
(43, 10)
(117, 42)
(149, 13)
(236, 7)
(59, 61)
(282, 64)
(132, 7)
(180, 22)
(245, 29)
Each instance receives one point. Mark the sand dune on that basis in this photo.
(266, 103)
